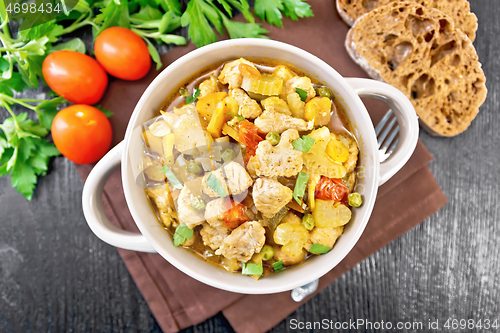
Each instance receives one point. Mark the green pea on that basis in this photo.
(308, 221)
(273, 138)
(267, 252)
(197, 204)
(228, 155)
(324, 92)
(183, 91)
(355, 199)
(194, 168)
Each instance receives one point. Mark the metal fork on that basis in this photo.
(387, 131)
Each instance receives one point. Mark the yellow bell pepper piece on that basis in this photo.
(207, 104)
(168, 146)
(232, 132)
(217, 121)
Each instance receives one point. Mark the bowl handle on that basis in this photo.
(93, 208)
(407, 121)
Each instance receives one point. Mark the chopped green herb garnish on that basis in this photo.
(300, 187)
(302, 93)
(278, 265)
(252, 269)
(303, 144)
(215, 185)
(319, 249)
(182, 233)
(171, 177)
(193, 97)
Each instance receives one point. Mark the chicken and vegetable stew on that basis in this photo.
(252, 166)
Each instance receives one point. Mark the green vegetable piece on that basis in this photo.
(300, 187)
(355, 199)
(273, 138)
(302, 93)
(215, 185)
(267, 252)
(194, 168)
(319, 249)
(238, 118)
(197, 204)
(184, 92)
(308, 221)
(303, 144)
(193, 97)
(228, 155)
(252, 269)
(324, 92)
(171, 177)
(278, 265)
(273, 222)
(182, 233)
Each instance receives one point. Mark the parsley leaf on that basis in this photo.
(108, 113)
(300, 187)
(251, 269)
(302, 94)
(47, 110)
(272, 11)
(318, 248)
(197, 16)
(215, 185)
(182, 233)
(296, 8)
(303, 144)
(243, 30)
(190, 99)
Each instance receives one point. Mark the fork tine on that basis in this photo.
(391, 136)
(382, 122)
(393, 146)
(381, 138)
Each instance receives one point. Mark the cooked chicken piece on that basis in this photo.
(214, 212)
(243, 242)
(222, 181)
(270, 196)
(164, 204)
(277, 104)
(188, 131)
(247, 107)
(237, 177)
(280, 160)
(270, 120)
(187, 215)
(324, 236)
(213, 236)
(231, 75)
(208, 86)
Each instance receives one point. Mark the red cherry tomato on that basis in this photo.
(75, 76)
(82, 133)
(122, 53)
(250, 135)
(331, 189)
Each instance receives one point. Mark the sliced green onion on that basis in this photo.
(303, 144)
(193, 97)
(278, 265)
(182, 233)
(355, 199)
(171, 177)
(308, 221)
(267, 252)
(300, 187)
(215, 185)
(319, 249)
(302, 94)
(252, 269)
(228, 155)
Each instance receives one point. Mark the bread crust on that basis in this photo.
(458, 10)
(419, 51)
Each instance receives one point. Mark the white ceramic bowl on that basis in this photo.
(155, 239)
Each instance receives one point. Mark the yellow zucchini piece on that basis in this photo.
(232, 132)
(217, 121)
(328, 214)
(318, 109)
(231, 107)
(153, 142)
(336, 150)
(168, 146)
(206, 105)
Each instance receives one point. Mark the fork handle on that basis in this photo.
(407, 121)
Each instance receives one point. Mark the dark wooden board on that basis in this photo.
(56, 276)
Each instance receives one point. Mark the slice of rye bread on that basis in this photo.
(419, 51)
(458, 10)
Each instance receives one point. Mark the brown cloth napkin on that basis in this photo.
(178, 301)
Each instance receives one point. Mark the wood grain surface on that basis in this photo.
(56, 276)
